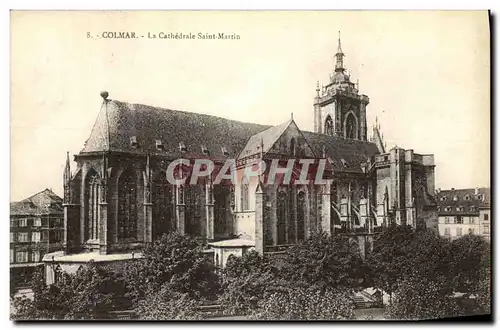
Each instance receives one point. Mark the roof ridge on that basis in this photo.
(190, 112)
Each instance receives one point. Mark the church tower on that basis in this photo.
(339, 109)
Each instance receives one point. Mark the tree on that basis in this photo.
(321, 263)
(417, 298)
(469, 260)
(390, 256)
(325, 261)
(88, 294)
(305, 304)
(97, 290)
(401, 251)
(245, 281)
(175, 259)
(167, 304)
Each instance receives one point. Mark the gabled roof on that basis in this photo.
(344, 154)
(119, 121)
(43, 202)
(267, 138)
(465, 198)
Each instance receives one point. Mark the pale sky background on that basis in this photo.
(427, 75)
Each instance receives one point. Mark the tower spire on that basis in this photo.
(339, 65)
(339, 48)
(67, 169)
(67, 179)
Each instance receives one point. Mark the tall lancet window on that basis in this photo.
(92, 206)
(162, 206)
(127, 205)
(281, 215)
(244, 194)
(351, 130)
(328, 125)
(301, 215)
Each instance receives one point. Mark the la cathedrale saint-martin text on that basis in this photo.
(167, 35)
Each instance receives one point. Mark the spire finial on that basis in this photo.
(339, 65)
(339, 48)
(291, 115)
(67, 161)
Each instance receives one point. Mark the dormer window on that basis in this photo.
(159, 145)
(443, 198)
(472, 208)
(204, 150)
(455, 198)
(182, 147)
(133, 141)
(467, 197)
(225, 152)
(447, 209)
(344, 162)
(439, 209)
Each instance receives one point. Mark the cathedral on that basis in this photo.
(118, 198)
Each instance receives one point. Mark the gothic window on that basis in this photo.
(92, 206)
(244, 194)
(221, 207)
(301, 215)
(162, 206)
(329, 125)
(192, 214)
(282, 216)
(292, 147)
(127, 206)
(351, 131)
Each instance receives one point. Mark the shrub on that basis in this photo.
(305, 304)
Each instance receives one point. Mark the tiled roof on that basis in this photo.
(461, 200)
(44, 202)
(119, 122)
(122, 121)
(344, 154)
(267, 138)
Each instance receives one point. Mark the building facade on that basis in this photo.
(119, 198)
(464, 211)
(36, 228)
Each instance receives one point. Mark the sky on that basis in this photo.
(427, 75)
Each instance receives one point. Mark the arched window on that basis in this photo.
(281, 214)
(92, 205)
(192, 209)
(292, 147)
(244, 194)
(127, 206)
(329, 125)
(222, 195)
(351, 129)
(162, 206)
(301, 215)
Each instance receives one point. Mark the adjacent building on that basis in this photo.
(36, 228)
(119, 198)
(464, 211)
